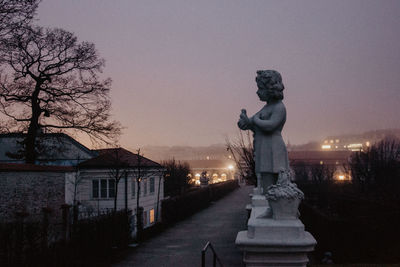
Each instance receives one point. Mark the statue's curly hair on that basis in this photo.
(271, 79)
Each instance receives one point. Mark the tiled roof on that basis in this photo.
(117, 157)
(49, 135)
(25, 167)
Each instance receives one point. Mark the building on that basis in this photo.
(70, 173)
(336, 160)
(357, 142)
(120, 169)
(28, 189)
(55, 149)
(217, 170)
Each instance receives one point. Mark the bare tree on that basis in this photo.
(378, 166)
(176, 177)
(75, 180)
(54, 84)
(140, 172)
(321, 173)
(15, 14)
(117, 170)
(243, 154)
(301, 170)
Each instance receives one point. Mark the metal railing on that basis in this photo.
(215, 256)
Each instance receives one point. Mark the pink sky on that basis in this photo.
(182, 70)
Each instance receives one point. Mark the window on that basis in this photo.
(144, 218)
(144, 187)
(151, 185)
(111, 188)
(95, 188)
(103, 188)
(133, 188)
(151, 216)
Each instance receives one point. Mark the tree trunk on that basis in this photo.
(30, 140)
(158, 197)
(126, 191)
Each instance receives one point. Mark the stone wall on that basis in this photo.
(28, 192)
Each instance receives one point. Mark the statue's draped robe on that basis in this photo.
(270, 152)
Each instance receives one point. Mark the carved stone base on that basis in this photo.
(271, 242)
(285, 209)
(259, 201)
(264, 252)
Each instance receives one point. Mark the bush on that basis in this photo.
(378, 167)
(26, 243)
(180, 207)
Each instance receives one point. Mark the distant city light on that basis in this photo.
(197, 175)
(230, 167)
(367, 143)
(341, 177)
(355, 147)
(326, 146)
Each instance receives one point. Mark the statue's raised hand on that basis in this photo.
(244, 122)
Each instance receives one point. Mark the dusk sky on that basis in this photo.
(183, 70)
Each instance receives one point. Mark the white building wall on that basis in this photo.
(84, 193)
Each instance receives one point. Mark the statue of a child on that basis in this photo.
(270, 152)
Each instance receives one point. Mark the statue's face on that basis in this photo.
(264, 93)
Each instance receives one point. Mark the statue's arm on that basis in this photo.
(270, 125)
(245, 123)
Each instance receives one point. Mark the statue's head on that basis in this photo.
(270, 81)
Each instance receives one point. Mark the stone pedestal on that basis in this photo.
(259, 201)
(271, 242)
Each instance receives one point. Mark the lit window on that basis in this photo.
(151, 216)
(223, 178)
(337, 140)
(331, 141)
(326, 147)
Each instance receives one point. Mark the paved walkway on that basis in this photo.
(181, 244)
